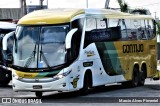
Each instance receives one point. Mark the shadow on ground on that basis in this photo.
(153, 86)
(5, 86)
(76, 97)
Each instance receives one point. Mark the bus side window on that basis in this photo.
(91, 24)
(132, 29)
(123, 24)
(150, 29)
(103, 35)
(145, 30)
(101, 23)
(125, 28)
(101, 32)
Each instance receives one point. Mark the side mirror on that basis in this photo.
(5, 38)
(69, 38)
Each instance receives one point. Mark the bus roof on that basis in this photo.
(59, 16)
(50, 16)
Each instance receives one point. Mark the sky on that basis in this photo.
(152, 5)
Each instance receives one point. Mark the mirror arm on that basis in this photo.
(5, 38)
(69, 38)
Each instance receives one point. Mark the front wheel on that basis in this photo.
(85, 89)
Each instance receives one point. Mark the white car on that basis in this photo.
(6, 27)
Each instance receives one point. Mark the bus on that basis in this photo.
(5, 72)
(77, 49)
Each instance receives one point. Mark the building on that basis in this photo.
(10, 13)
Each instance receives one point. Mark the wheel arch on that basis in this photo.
(136, 65)
(88, 72)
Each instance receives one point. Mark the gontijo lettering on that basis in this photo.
(133, 48)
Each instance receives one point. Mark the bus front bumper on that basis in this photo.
(41, 85)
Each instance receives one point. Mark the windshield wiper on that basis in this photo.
(31, 57)
(44, 58)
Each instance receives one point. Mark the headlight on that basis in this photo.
(59, 76)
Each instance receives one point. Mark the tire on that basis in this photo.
(6, 82)
(142, 77)
(135, 77)
(38, 94)
(84, 91)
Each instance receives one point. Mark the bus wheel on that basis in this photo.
(135, 77)
(85, 89)
(142, 77)
(38, 94)
(6, 82)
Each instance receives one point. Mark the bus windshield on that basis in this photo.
(40, 47)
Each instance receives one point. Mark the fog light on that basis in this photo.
(64, 84)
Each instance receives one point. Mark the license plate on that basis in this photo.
(37, 86)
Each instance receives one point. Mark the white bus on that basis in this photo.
(76, 49)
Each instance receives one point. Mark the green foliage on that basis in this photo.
(158, 25)
(123, 5)
(140, 11)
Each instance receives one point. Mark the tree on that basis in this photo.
(23, 7)
(107, 4)
(123, 5)
(158, 25)
(140, 11)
